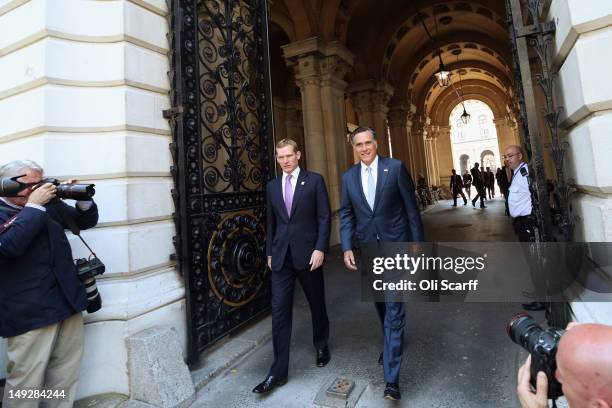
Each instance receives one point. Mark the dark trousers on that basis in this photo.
(468, 189)
(524, 227)
(480, 193)
(456, 192)
(491, 190)
(392, 316)
(283, 285)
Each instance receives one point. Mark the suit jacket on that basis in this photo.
(306, 229)
(456, 183)
(395, 217)
(476, 177)
(38, 280)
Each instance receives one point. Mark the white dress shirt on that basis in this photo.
(364, 175)
(519, 197)
(294, 177)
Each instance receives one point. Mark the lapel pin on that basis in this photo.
(385, 169)
(302, 183)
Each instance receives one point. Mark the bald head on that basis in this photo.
(514, 155)
(584, 363)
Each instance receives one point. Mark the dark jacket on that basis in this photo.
(396, 216)
(306, 229)
(456, 183)
(477, 180)
(38, 281)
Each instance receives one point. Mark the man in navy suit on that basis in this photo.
(41, 297)
(298, 223)
(378, 205)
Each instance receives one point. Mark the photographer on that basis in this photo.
(584, 369)
(41, 297)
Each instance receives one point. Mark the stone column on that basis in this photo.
(445, 155)
(398, 118)
(280, 130)
(430, 154)
(370, 99)
(333, 68)
(319, 71)
(506, 135)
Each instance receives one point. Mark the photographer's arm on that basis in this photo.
(526, 396)
(16, 239)
(84, 218)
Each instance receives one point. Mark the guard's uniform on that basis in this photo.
(520, 205)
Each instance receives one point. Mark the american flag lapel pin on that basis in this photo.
(302, 183)
(385, 169)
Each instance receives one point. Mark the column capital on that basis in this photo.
(312, 58)
(371, 95)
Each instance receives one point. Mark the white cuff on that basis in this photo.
(38, 207)
(84, 205)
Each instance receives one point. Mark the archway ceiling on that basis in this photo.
(473, 64)
(439, 109)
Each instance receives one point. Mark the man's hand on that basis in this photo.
(69, 181)
(349, 260)
(526, 397)
(270, 262)
(316, 259)
(41, 195)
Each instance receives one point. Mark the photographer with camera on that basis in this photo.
(41, 296)
(582, 369)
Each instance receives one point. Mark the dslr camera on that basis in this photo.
(87, 270)
(79, 192)
(542, 345)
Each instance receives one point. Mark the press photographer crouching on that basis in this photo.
(576, 363)
(41, 295)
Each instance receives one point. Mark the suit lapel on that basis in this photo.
(300, 185)
(381, 179)
(359, 185)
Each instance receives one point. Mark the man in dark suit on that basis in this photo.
(298, 224)
(41, 297)
(478, 182)
(377, 205)
(467, 183)
(456, 186)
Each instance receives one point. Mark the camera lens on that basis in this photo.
(94, 300)
(520, 329)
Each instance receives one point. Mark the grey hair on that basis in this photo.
(16, 168)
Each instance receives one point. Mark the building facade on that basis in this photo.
(84, 84)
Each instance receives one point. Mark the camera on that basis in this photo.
(79, 192)
(542, 345)
(87, 270)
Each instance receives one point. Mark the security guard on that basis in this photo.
(520, 204)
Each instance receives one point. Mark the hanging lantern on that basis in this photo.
(443, 76)
(465, 117)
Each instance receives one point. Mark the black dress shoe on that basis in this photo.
(380, 359)
(323, 357)
(392, 392)
(465, 203)
(269, 384)
(534, 306)
(483, 206)
(473, 203)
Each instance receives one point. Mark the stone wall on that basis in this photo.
(582, 55)
(82, 90)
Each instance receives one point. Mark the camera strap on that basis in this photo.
(72, 225)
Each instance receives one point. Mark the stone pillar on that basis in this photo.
(280, 130)
(294, 127)
(370, 100)
(432, 157)
(445, 155)
(319, 71)
(398, 118)
(506, 135)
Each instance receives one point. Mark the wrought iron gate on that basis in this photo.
(222, 139)
(529, 32)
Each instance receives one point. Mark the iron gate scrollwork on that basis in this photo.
(222, 139)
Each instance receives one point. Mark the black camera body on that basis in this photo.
(79, 192)
(87, 270)
(542, 345)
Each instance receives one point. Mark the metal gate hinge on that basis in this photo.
(547, 27)
(172, 112)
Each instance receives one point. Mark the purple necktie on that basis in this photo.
(288, 194)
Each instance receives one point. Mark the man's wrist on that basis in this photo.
(37, 206)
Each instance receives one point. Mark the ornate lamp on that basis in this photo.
(465, 117)
(443, 75)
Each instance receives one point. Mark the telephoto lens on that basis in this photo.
(542, 345)
(87, 270)
(79, 192)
